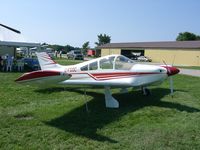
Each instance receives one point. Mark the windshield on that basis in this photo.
(107, 63)
(123, 63)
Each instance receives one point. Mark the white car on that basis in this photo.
(144, 58)
(75, 54)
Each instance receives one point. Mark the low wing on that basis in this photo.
(43, 77)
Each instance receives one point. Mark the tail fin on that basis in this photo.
(45, 61)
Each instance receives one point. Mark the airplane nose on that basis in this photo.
(171, 70)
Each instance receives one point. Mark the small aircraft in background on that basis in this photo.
(108, 71)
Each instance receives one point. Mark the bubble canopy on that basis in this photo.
(123, 63)
(117, 62)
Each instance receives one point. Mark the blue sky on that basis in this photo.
(77, 21)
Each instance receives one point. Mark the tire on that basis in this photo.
(146, 91)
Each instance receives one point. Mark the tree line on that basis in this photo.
(102, 39)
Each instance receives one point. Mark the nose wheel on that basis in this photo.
(146, 91)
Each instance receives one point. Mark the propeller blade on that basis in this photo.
(171, 71)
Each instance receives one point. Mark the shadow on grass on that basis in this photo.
(81, 123)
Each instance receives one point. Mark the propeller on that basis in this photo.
(171, 79)
(170, 72)
(9, 28)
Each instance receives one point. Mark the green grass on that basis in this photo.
(56, 118)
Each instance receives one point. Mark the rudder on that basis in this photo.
(45, 61)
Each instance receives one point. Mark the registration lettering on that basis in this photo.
(72, 69)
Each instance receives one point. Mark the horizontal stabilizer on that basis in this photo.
(43, 77)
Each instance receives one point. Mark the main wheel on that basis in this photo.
(146, 91)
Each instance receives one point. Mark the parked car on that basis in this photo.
(75, 54)
(131, 56)
(31, 64)
(144, 58)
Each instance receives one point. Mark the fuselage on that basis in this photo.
(126, 74)
(112, 71)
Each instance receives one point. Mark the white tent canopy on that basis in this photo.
(11, 38)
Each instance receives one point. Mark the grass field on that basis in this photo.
(56, 118)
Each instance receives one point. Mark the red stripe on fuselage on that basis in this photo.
(115, 75)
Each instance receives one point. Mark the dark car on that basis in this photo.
(75, 54)
(31, 64)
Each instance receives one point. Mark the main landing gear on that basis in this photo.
(110, 101)
(145, 91)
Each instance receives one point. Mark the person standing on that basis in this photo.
(20, 64)
(1, 63)
(60, 53)
(4, 63)
(9, 63)
(56, 53)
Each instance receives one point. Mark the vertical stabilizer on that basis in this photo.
(46, 62)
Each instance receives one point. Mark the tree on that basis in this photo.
(198, 37)
(187, 36)
(56, 47)
(85, 47)
(103, 39)
(68, 48)
(64, 49)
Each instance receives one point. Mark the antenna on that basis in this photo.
(9, 28)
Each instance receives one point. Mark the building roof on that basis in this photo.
(19, 44)
(156, 45)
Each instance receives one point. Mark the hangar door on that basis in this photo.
(132, 54)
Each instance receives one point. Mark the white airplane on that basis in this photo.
(109, 71)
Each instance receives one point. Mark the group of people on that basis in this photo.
(8, 63)
(56, 53)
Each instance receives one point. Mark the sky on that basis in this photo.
(75, 22)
